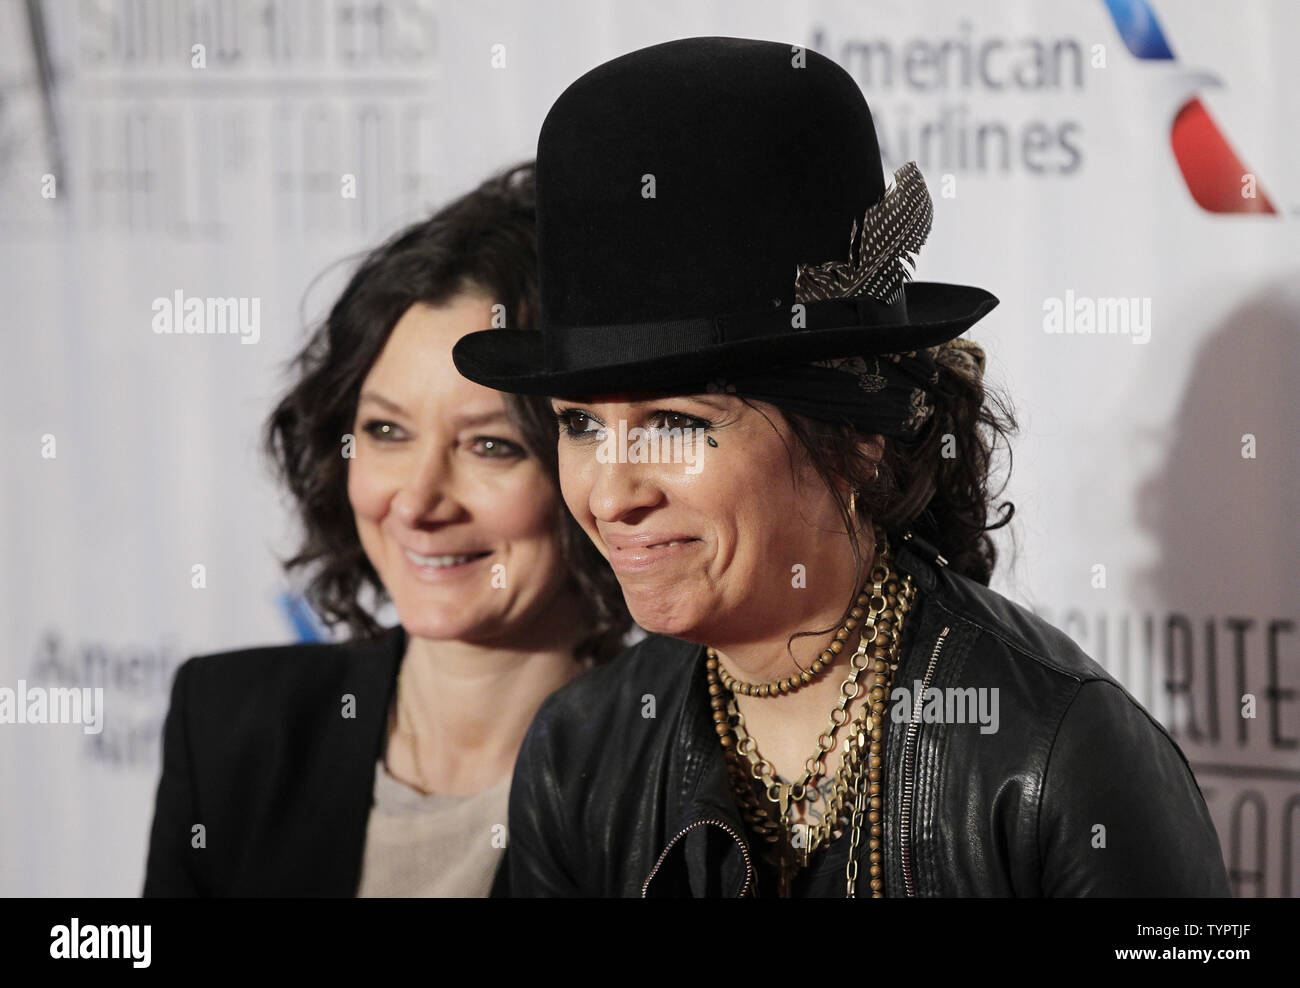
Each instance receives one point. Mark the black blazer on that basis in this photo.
(272, 751)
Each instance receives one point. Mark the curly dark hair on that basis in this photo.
(943, 499)
(484, 241)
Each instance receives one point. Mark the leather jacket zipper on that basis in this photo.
(744, 849)
(909, 768)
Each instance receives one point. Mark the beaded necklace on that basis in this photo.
(880, 610)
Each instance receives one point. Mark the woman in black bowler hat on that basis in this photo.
(782, 445)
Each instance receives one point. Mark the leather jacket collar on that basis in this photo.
(710, 854)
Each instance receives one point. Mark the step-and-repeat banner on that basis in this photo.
(1123, 174)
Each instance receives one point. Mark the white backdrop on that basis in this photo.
(1155, 482)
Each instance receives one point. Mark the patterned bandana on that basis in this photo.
(889, 394)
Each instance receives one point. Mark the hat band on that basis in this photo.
(578, 347)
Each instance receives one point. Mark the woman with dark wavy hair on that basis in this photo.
(786, 456)
(381, 765)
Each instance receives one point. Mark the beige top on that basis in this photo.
(432, 846)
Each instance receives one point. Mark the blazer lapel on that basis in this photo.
(348, 753)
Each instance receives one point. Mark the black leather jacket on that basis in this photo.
(621, 787)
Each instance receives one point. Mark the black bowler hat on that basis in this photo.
(680, 190)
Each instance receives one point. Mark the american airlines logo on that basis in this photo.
(1215, 175)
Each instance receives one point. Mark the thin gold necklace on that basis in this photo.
(401, 722)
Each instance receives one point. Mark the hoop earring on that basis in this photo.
(853, 507)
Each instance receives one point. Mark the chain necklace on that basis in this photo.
(857, 784)
(401, 725)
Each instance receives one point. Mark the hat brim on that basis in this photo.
(514, 360)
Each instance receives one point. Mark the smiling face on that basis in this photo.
(704, 547)
(457, 517)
